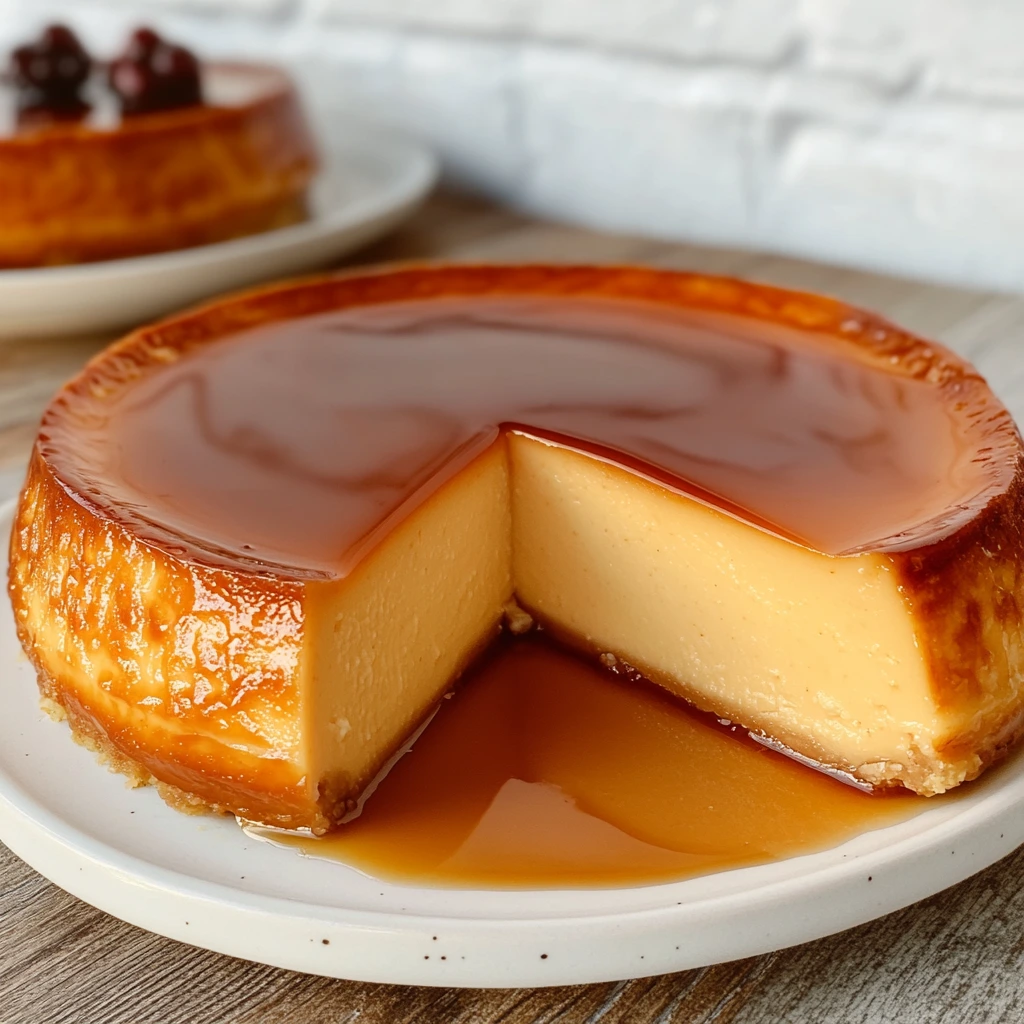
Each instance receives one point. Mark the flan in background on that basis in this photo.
(146, 149)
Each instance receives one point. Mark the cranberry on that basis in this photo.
(49, 74)
(153, 74)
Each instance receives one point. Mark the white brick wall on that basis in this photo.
(880, 133)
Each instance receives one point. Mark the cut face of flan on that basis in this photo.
(260, 541)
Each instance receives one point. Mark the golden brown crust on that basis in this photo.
(71, 194)
(967, 595)
(188, 673)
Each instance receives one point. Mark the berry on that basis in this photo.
(141, 44)
(53, 68)
(48, 76)
(153, 74)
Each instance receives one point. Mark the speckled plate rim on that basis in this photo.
(370, 180)
(205, 882)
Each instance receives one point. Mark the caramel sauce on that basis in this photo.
(287, 445)
(543, 769)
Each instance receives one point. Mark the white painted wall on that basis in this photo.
(880, 133)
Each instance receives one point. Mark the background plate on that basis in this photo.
(366, 186)
(204, 881)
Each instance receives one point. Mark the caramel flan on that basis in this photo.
(167, 154)
(258, 542)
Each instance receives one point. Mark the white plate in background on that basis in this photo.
(367, 185)
(204, 881)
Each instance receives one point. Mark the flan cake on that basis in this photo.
(169, 154)
(258, 542)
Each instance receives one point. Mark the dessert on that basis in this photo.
(546, 770)
(152, 153)
(259, 541)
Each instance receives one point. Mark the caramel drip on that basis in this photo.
(544, 770)
(287, 444)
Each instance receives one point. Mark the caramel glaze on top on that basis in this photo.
(827, 425)
(289, 446)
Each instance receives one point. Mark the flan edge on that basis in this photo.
(182, 677)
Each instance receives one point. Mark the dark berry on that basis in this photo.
(175, 62)
(49, 75)
(56, 64)
(153, 74)
(60, 37)
(141, 44)
(39, 114)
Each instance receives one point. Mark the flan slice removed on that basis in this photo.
(259, 542)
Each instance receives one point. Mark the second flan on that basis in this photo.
(87, 173)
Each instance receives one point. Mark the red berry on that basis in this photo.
(154, 74)
(60, 37)
(141, 43)
(49, 73)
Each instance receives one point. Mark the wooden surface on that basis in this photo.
(957, 957)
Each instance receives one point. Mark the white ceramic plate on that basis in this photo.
(204, 881)
(366, 186)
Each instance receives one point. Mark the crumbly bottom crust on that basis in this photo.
(85, 734)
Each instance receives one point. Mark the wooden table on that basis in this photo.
(956, 957)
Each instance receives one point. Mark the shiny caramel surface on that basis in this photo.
(543, 769)
(292, 444)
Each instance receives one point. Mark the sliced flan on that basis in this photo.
(258, 542)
